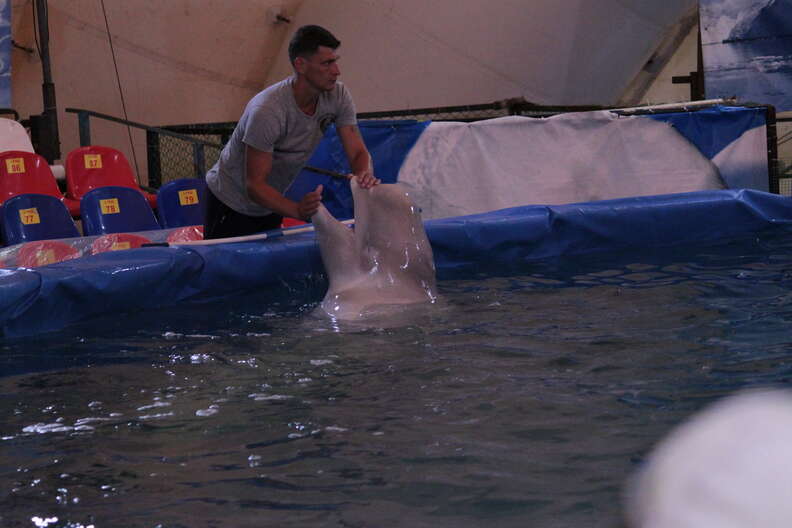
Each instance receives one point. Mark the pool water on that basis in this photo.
(520, 400)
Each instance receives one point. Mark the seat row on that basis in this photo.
(103, 210)
(87, 168)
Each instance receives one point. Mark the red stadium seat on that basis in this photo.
(28, 173)
(186, 234)
(117, 241)
(95, 166)
(291, 222)
(43, 252)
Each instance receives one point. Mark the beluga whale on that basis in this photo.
(384, 264)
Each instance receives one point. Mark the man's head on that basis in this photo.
(313, 56)
(307, 40)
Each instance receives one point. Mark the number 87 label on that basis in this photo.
(93, 161)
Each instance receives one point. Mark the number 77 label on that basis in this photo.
(29, 216)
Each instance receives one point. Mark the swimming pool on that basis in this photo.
(522, 399)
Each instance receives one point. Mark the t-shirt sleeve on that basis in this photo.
(263, 129)
(346, 109)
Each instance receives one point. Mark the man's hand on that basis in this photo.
(365, 179)
(309, 203)
(358, 156)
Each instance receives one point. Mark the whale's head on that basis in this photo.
(385, 261)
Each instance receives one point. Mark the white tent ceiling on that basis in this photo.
(413, 53)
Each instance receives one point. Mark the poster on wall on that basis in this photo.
(5, 53)
(747, 50)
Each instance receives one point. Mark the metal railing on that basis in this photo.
(177, 151)
(779, 170)
(200, 149)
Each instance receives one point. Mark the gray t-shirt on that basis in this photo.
(272, 122)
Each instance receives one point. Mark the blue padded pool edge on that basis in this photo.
(52, 297)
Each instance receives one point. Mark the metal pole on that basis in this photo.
(199, 160)
(84, 126)
(50, 140)
(153, 157)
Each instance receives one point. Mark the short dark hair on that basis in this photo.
(307, 39)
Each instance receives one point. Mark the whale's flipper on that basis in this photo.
(386, 260)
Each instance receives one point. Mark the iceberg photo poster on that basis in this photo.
(747, 50)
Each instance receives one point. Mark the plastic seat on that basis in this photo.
(292, 222)
(24, 172)
(13, 136)
(96, 166)
(116, 209)
(43, 252)
(29, 217)
(181, 203)
(117, 242)
(186, 234)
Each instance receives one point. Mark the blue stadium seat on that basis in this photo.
(30, 217)
(114, 209)
(181, 202)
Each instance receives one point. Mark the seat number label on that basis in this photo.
(29, 216)
(188, 197)
(44, 257)
(109, 206)
(15, 165)
(93, 161)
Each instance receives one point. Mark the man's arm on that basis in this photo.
(258, 166)
(358, 156)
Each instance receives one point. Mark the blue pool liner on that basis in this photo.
(387, 141)
(52, 297)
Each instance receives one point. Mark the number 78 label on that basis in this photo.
(109, 206)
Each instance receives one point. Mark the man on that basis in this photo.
(278, 131)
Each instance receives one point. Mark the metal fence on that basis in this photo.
(784, 145)
(170, 155)
(181, 151)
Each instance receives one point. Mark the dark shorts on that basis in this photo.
(223, 222)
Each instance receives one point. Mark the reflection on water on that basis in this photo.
(520, 400)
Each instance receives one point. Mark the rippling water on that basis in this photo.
(518, 401)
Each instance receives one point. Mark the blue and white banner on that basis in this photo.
(456, 168)
(747, 50)
(5, 53)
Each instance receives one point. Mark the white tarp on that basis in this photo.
(466, 168)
